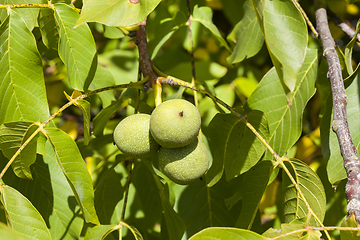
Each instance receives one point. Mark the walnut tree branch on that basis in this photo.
(340, 124)
(346, 28)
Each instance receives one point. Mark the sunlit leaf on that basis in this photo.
(76, 48)
(246, 35)
(311, 187)
(286, 37)
(74, 168)
(12, 136)
(116, 12)
(22, 88)
(234, 147)
(254, 184)
(22, 215)
(285, 229)
(204, 16)
(100, 232)
(8, 233)
(49, 189)
(29, 15)
(285, 124)
(216, 233)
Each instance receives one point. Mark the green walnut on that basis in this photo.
(132, 136)
(184, 165)
(175, 123)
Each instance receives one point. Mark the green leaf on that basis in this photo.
(51, 194)
(8, 233)
(22, 215)
(29, 15)
(12, 136)
(349, 222)
(84, 107)
(109, 191)
(100, 120)
(217, 233)
(285, 229)
(349, 49)
(285, 124)
(329, 141)
(74, 168)
(234, 145)
(254, 185)
(116, 12)
(77, 46)
(246, 35)
(201, 206)
(164, 31)
(23, 94)
(48, 28)
(204, 15)
(175, 225)
(103, 78)
(100, 232)
(311, 187)
(286, 37)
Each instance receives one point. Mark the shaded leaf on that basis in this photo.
(48, 28)
(254, 185)
(22, 89)
(246, 35)
(84, 107)
(204, 16)
(349, 49)
(12, 136)
(116, 12)
(329, 141)
(201, 206)
(216, 233)
(311, 187)
(234, 147)
(165, 30)
(175, 225)
(22, 215)
(74, 168)
(285, 124)
(100, 120)
(109, 191)
(103, 78)
(351, 223)
(76, 48)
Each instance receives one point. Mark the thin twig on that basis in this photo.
(68, 104)
(127, 187)
(346, 28)
(340, 124)
(306, 18)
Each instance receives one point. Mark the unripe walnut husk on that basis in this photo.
(132, 136)
(175, 123)
(186, 164)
